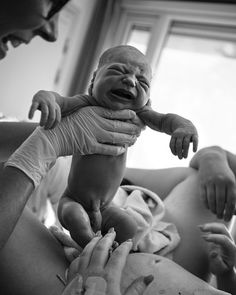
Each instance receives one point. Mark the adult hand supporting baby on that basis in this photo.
(95, 272)
(90, 130)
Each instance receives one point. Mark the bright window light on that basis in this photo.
(195, 78)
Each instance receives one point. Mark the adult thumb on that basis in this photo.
(139, 285)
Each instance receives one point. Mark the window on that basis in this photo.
(192, 49)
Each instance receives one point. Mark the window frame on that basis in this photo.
(160, 15)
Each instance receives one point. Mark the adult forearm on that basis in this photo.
(227, 282)
(15, 189)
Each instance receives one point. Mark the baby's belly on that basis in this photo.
(169, 277)
(95, 178)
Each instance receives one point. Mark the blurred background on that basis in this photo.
(191, 46)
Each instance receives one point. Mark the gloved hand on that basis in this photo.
(87, 131)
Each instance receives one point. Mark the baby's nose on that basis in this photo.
(130, 80)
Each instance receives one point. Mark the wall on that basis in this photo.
(43, 65)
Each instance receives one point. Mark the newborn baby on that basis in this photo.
(121, 81)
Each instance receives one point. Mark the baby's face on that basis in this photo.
(123, 83)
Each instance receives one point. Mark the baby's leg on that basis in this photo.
(74, 218)
(124, 225)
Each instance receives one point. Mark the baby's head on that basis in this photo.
(122, 79)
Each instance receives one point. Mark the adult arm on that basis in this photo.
(84, 132)
(160, 181)
(12, 136)
(217, 170)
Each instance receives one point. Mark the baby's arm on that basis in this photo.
(182, 131)
(222, 255)
(53, 106)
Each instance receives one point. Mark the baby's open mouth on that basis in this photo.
(123, 93)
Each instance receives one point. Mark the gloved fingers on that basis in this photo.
(195, 142)
(121, 127)
(138, 122)
(115, 115)
(138, 286)
(119, 139)
(106, 149)
(33, 108)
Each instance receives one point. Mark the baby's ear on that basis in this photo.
(90, 89)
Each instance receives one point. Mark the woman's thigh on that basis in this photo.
(32, 261)
(185, 209)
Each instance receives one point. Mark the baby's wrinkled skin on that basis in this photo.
(121, 81)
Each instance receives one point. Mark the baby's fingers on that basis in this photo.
(33, 108)
(179, 147)
(186, 143)
(195, 142)
(172, 145)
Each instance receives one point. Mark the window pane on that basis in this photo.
(139, 37)
(195, 78)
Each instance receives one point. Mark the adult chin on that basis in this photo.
(3, 50)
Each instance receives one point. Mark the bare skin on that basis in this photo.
(121, 81)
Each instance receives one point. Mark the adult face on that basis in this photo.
(22, 20)
(124, 82)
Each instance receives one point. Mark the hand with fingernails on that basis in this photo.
(97, 271)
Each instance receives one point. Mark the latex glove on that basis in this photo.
(87, 131)
(101, 272)
(181, 139)
(221, 246)
(53, 106)
(217, 184)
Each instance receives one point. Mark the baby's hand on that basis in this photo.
(46, 102)
(181, 138)
(221, 247)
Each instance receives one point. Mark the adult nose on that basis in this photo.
(130, 80)
(49, 31)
